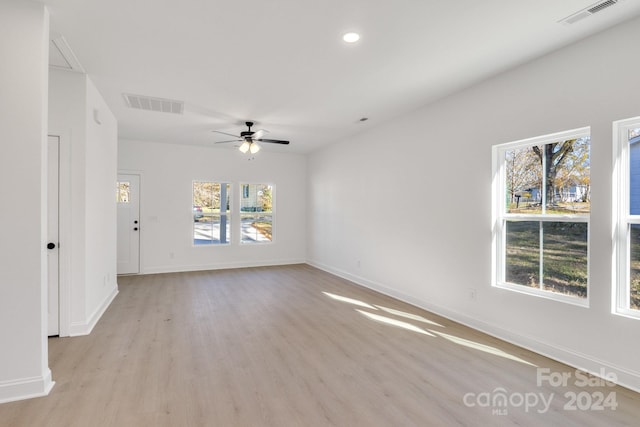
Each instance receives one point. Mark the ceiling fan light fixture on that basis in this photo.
(244, 147)
(249, 139)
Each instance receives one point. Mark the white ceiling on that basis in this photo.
(283, 64)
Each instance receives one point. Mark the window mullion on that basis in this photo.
(543, 209)
(543, 184)
(541, 256)
(625, 300)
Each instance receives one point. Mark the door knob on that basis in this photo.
(51, 245)
(135, 228)
(135, 222)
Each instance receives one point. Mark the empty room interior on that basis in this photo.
(337, 213)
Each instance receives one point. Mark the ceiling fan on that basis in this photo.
(250, 139)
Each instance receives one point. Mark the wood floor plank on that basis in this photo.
(292, 346)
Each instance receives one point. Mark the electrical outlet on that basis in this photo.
(473, 295)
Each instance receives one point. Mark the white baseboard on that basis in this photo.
(85, 327)
(587, 363)
(26, 388)
(223, 266)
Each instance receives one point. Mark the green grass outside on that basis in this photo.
(635, 268)
(562, 208)
(564, 256)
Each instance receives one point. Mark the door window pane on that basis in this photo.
(123, 192)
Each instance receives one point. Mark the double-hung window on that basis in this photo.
(211, 213)
(627, 192)
(541, 207)
(256, 213)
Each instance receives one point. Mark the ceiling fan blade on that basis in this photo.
(273, 141)
(231, 140)
(228, 134)
(259, 133)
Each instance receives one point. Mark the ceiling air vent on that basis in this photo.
(602, 5)
(585, 13)
(61, 56)
(149, 103)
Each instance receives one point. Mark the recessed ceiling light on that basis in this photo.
(351, 37)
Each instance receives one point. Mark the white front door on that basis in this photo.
(128, 195)
(53, 255)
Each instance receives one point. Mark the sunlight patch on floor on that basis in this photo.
(409, 315)
(429, 332)
(394, 322)
(482, 347)
(349, 300)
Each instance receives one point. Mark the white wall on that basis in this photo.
(24, 370)
(67, 120)
(88, 159)
(101, 217)
(406, 208)
(167, 172)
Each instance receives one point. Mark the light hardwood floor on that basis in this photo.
(294, 346)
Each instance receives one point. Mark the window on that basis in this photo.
(211, 213)
(542, 204)
(123, 192)
(627, 193)
(256, 213)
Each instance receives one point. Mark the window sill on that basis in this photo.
(628, 313)
(567, 299)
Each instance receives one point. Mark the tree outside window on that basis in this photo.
(542, 225)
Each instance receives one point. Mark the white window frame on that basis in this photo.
(622, 218)
(229, 216)
(500, 217)
(272, 213)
